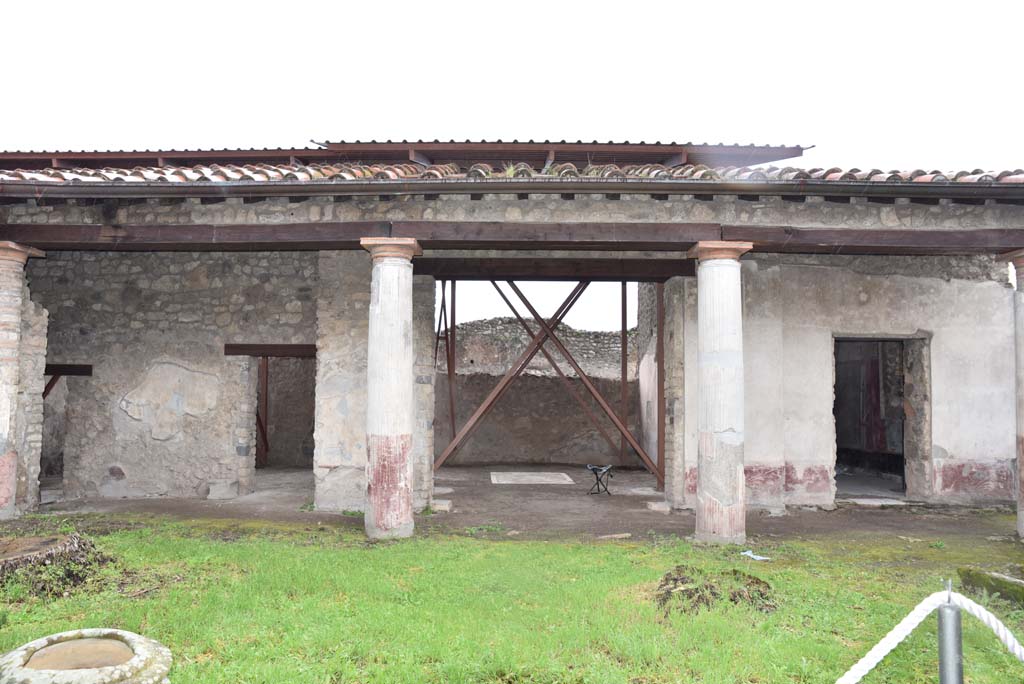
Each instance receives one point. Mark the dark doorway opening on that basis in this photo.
(285, 412)
(55, 402)
(285, 407)
(869, 417)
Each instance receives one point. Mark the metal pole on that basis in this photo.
(623, 380)
(951, 655)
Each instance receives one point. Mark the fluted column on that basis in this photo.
(1017, 259)
(721, 487)
(12, 278)
(390, 413)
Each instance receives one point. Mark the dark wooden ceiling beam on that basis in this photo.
(596, 270)
(76, 369)
(608, 236)
(242, 237)
(565, 235)
(295, 351)
(888, 241)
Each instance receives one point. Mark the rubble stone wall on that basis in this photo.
(537, 420)
(165, 412)
(55, 406)
(291, 389)
(28, 431)
(856, 213)
(339, 461)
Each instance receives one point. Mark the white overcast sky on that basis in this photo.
(871, 84)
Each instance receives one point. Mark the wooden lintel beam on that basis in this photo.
(76, 369)
(300, 351)
(595, 270)
(607, 236)
(561, 235)
(867, 241)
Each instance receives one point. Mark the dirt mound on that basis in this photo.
(48, 566)
(687, 589)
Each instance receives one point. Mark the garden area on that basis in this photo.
(270, 602)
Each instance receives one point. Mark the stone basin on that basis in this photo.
(87, 656)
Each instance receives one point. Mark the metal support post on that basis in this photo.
(951, 650)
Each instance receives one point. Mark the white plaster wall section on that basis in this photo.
(971, 357)
(169, 394)
(764, 381)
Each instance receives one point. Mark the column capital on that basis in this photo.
(718, 249)
(12, 251)
(381, 247)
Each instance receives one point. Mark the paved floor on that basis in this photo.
(867, 489)
(541, 511)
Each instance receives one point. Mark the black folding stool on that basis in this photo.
(601, 476)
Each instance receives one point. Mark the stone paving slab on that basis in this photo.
(534, 478)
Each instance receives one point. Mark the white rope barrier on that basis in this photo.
(915, 618)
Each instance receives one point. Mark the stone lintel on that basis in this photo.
(382, 248)
(718, 249)
(12, 251)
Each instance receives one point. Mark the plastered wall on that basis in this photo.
(957, 314)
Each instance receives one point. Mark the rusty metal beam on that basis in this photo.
(262, 407)
(659, 354)
(51, 383)
(595, 421)
(619, 425)
(440, 317)
(513, 372)
(449, 354)
(623, 380)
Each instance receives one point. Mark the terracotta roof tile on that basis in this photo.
(341, 172)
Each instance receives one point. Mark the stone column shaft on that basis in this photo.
(390, 410)
(12, 278)
(721, 485)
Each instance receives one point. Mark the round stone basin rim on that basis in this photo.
(128, 657)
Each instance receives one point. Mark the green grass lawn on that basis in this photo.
(254, 602)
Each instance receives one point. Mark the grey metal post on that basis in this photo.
(951, 654)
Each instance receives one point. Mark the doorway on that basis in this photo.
(283, 422)
(870, 418)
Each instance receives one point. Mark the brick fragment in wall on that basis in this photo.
(132, 314)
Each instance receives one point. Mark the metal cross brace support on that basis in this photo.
(619, 425)
(517, 368)
(554, 365)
